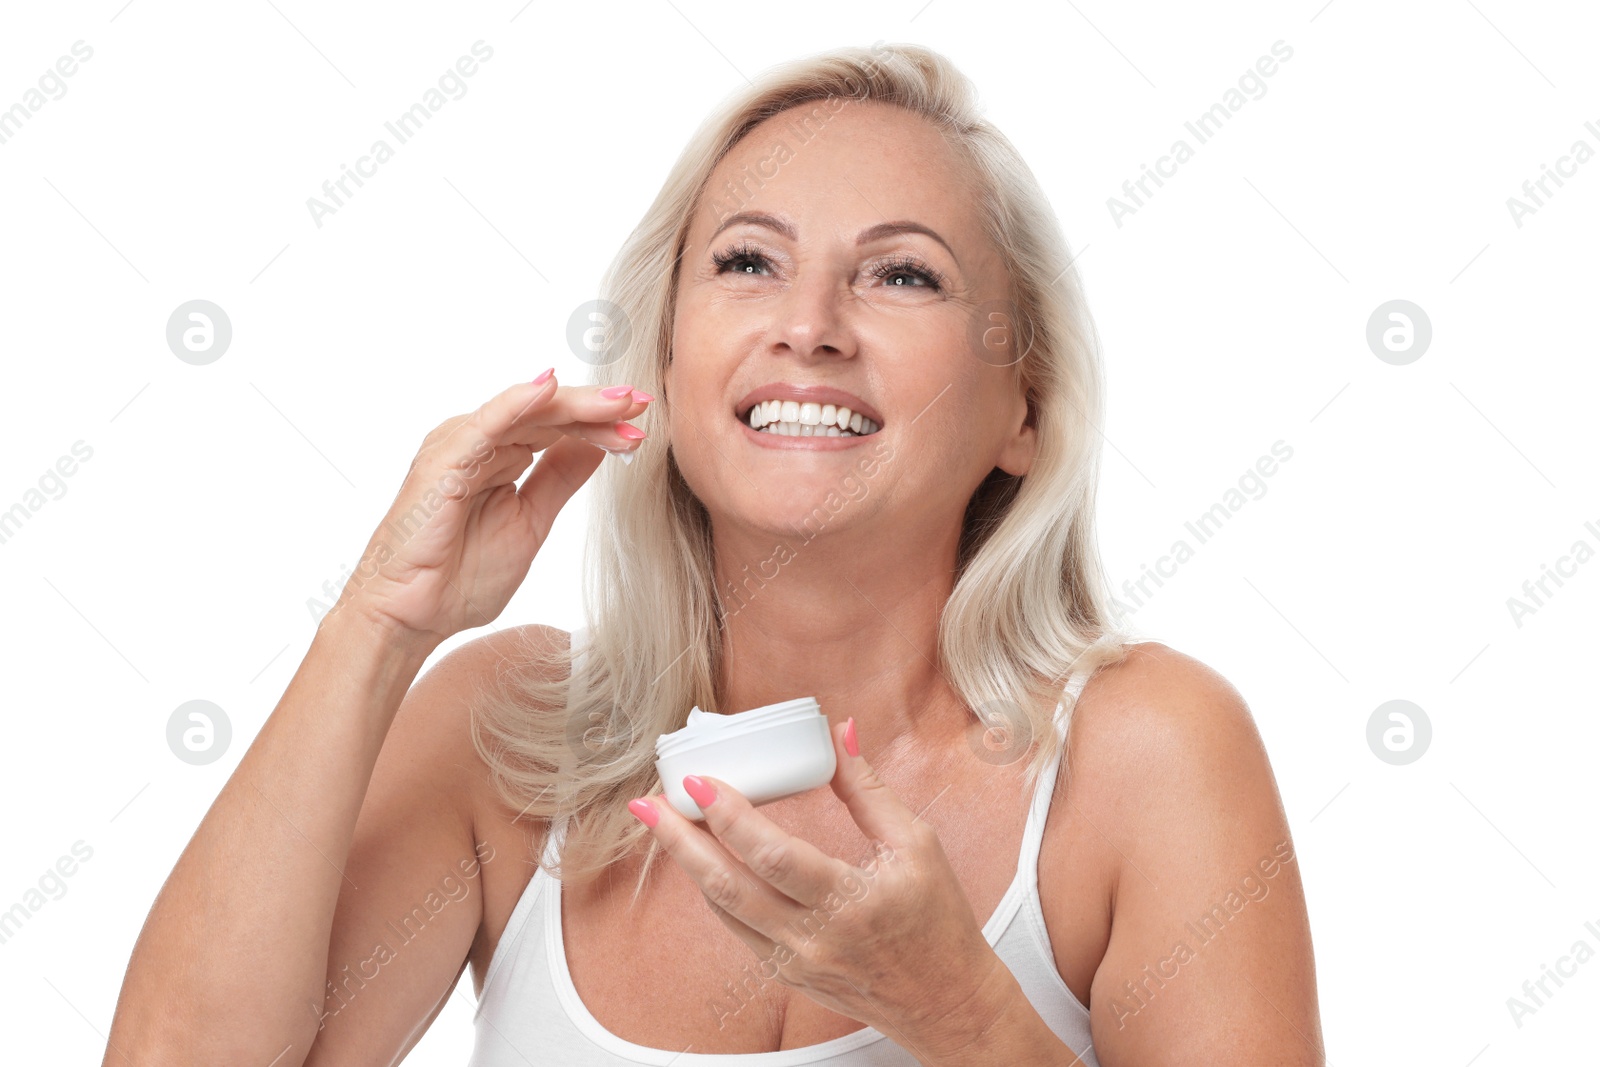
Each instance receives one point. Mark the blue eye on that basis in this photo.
(736, 259)
(909, 266)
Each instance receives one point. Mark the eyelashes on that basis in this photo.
(905, 263)
(736, 259)
(739, 253)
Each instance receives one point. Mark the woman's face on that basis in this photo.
(803, 277)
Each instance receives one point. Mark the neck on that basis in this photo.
(849, 617)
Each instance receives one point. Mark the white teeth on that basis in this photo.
(791, 418)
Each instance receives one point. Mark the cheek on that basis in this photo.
(695, 403)
(703, 341)
(963, 429)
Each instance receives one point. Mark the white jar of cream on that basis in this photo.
(765, 753)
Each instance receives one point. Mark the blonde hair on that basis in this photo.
(1029, 606)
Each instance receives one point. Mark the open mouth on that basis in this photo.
(790, 418)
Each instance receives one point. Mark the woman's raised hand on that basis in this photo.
(460, 536)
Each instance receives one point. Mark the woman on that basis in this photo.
(849, 244)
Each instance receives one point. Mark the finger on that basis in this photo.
(795, 867)
(608, 435)
(561, 470)
(571, 408)
(504, 465)
(762, 945)
(722, 878)
(531, 413)
(876, 809)
(515, 406)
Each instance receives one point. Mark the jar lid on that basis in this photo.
(707, 727)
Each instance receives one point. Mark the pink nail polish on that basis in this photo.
(544, 377)
(630, 433)
(850, 744)
(641, 397)
(700, 791)
(616, 392)
(645, 810)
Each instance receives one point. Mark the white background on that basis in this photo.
(1232, 306)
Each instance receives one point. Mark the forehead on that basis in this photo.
(835, 167)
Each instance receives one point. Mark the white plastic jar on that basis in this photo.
(765, 753)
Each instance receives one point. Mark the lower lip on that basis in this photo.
(804, 444)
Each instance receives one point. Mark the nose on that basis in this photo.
(810, 320)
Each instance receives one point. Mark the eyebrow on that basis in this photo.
(866, 236)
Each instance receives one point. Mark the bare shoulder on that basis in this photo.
(435, 719)
(1168, 764)
(506, 839)
(1166, 749)
(1159, 709)
(446, 697)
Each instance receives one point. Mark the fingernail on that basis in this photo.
(641, 397)
(630, 433)
(645, 810)
(542, 378)
(616, 392)
(699, 790)
(850, 744)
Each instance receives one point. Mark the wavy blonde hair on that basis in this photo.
(1029, 607)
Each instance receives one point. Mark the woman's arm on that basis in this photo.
(1210, 957)
(413, 905)
(230, 964)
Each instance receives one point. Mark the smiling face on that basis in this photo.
(847, 274)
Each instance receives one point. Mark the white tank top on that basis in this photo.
(530, 1013)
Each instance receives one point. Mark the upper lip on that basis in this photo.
(815, 394)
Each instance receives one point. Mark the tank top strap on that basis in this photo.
(1044, 787)
(579, 638)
